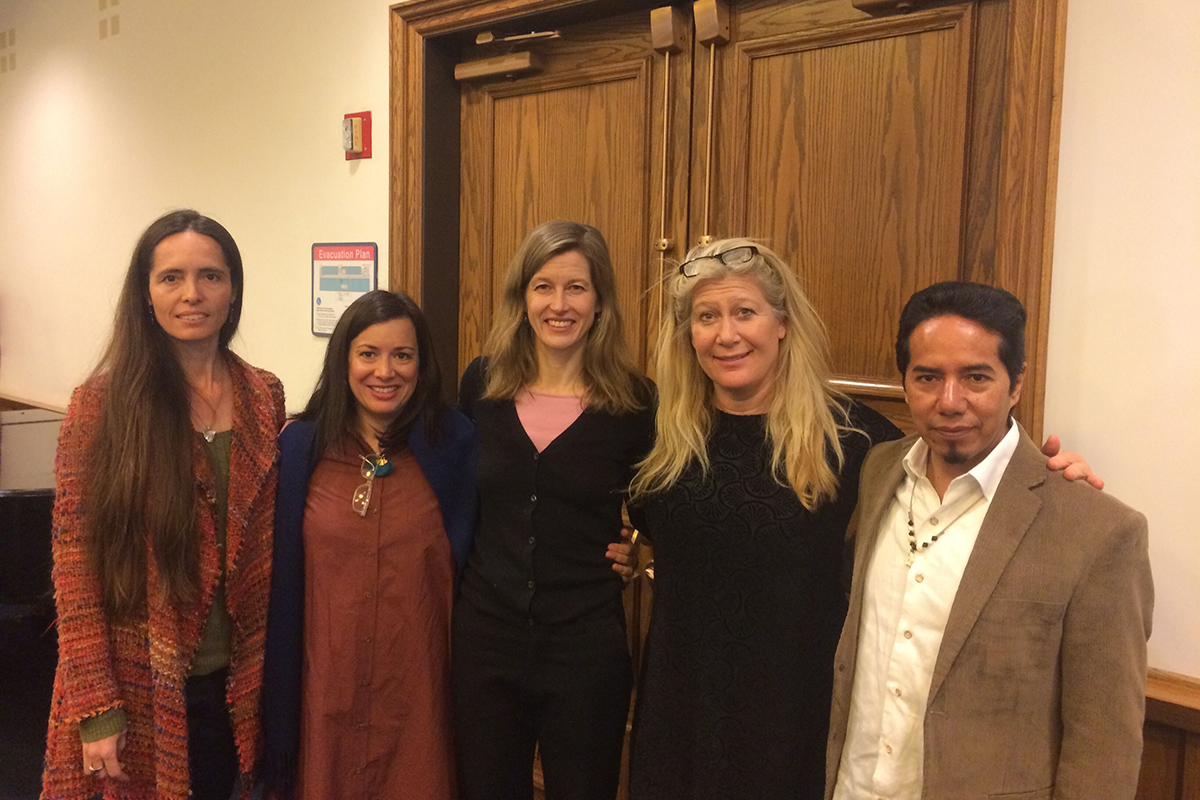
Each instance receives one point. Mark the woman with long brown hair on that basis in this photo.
(540, 655)
(162, 535)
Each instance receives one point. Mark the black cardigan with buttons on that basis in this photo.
(546, 519)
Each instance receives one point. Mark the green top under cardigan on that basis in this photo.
(215, 645)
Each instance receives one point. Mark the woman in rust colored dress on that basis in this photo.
(375, 515)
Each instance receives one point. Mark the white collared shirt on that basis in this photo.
(903, 619)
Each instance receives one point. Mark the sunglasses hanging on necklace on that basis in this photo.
(373, 466)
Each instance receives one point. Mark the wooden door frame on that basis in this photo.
(423, 257)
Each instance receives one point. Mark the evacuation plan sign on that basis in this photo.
(341, 273)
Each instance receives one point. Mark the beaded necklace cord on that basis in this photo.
(911, 556)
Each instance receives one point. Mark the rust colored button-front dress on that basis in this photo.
(378, 593)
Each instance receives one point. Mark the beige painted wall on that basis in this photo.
(1123, 375)
(235, 108)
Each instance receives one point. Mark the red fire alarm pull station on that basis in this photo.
(356, 135)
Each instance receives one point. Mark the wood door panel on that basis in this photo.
(986, 126)
(558, 150)
(568, 153)
(847, 155)
(582, 141)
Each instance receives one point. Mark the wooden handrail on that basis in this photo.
(1173, 699)
(13, 402)
(870, 387)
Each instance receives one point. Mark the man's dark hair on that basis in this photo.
(991, 307)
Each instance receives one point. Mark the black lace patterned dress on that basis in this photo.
(748, 607)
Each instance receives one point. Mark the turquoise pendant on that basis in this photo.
(383, 467)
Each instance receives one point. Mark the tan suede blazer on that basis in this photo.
(1039, 687)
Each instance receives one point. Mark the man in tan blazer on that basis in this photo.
(995, 645)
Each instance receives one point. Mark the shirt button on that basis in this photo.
(907, 635)
(933, 521)
(530, 584)
(533, 498)
(888, 748)
(364, 684)
(920, 578)
(370, 595)
(897, 692)
(532, 539)
(367, 639)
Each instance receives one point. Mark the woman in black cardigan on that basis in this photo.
(540, 654)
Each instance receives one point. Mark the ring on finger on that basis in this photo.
(96, 770)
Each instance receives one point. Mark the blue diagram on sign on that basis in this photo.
(344, 278)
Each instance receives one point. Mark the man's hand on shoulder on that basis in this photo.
(1071, 464)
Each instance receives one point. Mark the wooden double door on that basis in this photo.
(876, 145)
(877, 151)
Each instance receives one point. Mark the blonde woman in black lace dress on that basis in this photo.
(745, 497)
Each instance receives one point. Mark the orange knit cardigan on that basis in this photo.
(141, 664)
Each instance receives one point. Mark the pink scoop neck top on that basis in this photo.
(545, 416)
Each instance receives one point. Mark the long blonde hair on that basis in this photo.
(609, 374)
(806, 414)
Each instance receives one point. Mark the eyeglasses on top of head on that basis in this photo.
(731, 257)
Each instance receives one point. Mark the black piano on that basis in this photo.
(28, 645)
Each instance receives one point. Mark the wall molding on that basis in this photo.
(1173, 699)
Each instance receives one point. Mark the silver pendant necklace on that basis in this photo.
(209, 431)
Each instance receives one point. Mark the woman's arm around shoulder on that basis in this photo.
(646, 394)
(472, 386)
(458, 426)
(449, 465)
(875, 425)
